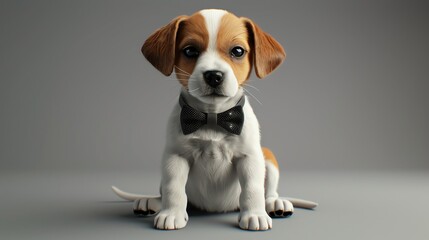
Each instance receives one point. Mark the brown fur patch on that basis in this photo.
(233, 32)
(269, 156)
(159, 48)
(163, 49)
(193, 32)
(268, 54)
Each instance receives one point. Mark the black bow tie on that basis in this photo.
(231, 120)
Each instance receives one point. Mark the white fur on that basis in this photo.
(271, 180)
(212, 19)
(210, 60)
(212, 169)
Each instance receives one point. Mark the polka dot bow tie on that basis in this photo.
(231, 120)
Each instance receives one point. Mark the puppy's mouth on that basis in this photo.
(214, 92)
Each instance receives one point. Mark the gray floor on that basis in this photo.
(353, 205)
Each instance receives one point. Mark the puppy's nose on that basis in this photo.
(213, 78)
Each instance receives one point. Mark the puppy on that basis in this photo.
(213, 157)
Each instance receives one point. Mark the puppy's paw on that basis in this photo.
(171, 219)
(279, 208)
(255, 221)
(147, 206)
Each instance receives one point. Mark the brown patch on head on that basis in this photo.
(193, 32)
(164, 48)
(233, 32)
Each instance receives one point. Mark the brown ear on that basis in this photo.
(268, 54)
(159, 48)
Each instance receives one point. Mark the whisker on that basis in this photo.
(181, 78)
(248, 85)
(252, 96)
(170, 78)
(181, 70)
(183, 74)
(193, 90)
(184, 80)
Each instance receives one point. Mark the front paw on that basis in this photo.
(255, 221)
(171, 219)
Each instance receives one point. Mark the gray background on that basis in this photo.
(77, 93)
(347, 115)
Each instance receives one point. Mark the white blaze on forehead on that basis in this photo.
(210, 60)
(212, 17)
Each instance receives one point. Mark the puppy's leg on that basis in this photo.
(147, 206)
(144, 205)
(250, 171)
(173, 211)
(275, 206)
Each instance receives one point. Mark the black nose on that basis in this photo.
(213, 78)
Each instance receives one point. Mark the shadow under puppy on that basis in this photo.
(213, 157)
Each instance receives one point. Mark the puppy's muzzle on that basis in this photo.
(213, 78)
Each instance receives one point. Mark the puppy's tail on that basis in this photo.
(131, 196)
(300, 203)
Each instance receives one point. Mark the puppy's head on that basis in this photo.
(212, 53)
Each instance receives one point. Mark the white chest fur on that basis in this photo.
(213, 182)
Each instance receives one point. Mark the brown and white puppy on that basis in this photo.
(212, 54)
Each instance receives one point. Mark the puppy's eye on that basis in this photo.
(191, 52)
(237, 52)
